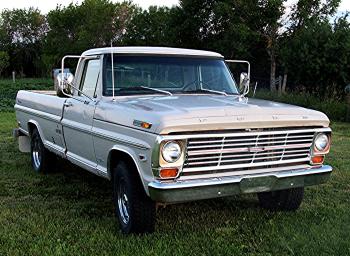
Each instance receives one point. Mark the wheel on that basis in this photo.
(42, 159)
(285, 200)
(135, 211)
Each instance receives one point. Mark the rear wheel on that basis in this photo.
(285, 200)
(41, 158)
(135, 211)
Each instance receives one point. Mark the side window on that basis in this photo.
(90, 77)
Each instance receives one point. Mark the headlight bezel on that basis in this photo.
(166, 157)
(158, 162)
(319, 150)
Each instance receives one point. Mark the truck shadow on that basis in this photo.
(92, 199)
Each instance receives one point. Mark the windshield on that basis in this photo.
(135, 74)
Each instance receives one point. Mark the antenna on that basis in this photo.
(256, 85)
(112, 69)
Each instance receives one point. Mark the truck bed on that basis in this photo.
(46, 92)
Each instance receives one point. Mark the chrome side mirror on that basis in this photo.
(244, 83)
(65, 84)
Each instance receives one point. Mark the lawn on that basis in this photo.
(70, 212)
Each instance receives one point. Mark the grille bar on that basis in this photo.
(195, 158)
(246, 144)
(244, 160)
(247, 150)
(241, 166)
(193, 142)
(244, 149)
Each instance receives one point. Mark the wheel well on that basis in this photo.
(116, 156)
(31, 128)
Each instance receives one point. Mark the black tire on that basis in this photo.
(135, 211)
(285, 200)
(42, 159)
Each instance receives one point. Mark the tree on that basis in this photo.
(150, 27)
(272, 12)
(23, 30)
(76, 28)
(4, 61)
(304, 36)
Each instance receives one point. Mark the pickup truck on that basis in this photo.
(168, 125)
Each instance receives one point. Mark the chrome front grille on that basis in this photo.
(247, 150)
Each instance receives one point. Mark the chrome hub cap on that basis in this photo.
(123, 203)
(36, 153)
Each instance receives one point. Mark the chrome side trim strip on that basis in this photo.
(97, 132)
(237, 179)
(119, 140)
(38, 113)
(54, 147)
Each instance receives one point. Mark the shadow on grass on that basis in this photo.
(92, 196)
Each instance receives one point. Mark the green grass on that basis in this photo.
(8, 90)
(69, 212)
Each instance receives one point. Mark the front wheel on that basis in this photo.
(134, 210)
(285, 200)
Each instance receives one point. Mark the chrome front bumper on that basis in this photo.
(191, 190)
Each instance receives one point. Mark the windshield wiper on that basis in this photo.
(208, 90)
(145, 88)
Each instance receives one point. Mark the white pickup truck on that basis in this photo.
(170, 125)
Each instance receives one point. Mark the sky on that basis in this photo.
(46, 5)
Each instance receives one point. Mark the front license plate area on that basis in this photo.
(257, 184)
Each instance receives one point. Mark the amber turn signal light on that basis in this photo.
(168, 173)
(317, 159)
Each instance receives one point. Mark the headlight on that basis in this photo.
(321, 142)
(171, 151)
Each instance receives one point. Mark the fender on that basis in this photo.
(134, 159)
(50, 146)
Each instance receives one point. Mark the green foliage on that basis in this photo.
(23, 33)
(305, 41)
(70, 212)
(76, 28)
(335, 109)
(4, 61)
(150, 27)
(318, 57)
(8, 90)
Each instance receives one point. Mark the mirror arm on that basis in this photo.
(241, 61)
(246, 90)
(70, 84)
(80, 91)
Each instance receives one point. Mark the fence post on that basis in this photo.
(14, 76)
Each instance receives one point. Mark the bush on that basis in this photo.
(8, 90)
(333, 108)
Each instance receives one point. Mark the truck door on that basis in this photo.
(78, 117)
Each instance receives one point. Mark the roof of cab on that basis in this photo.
(136, 50)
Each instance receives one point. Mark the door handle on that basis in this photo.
(67, 104)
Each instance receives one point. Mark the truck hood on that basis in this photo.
(183, 113)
